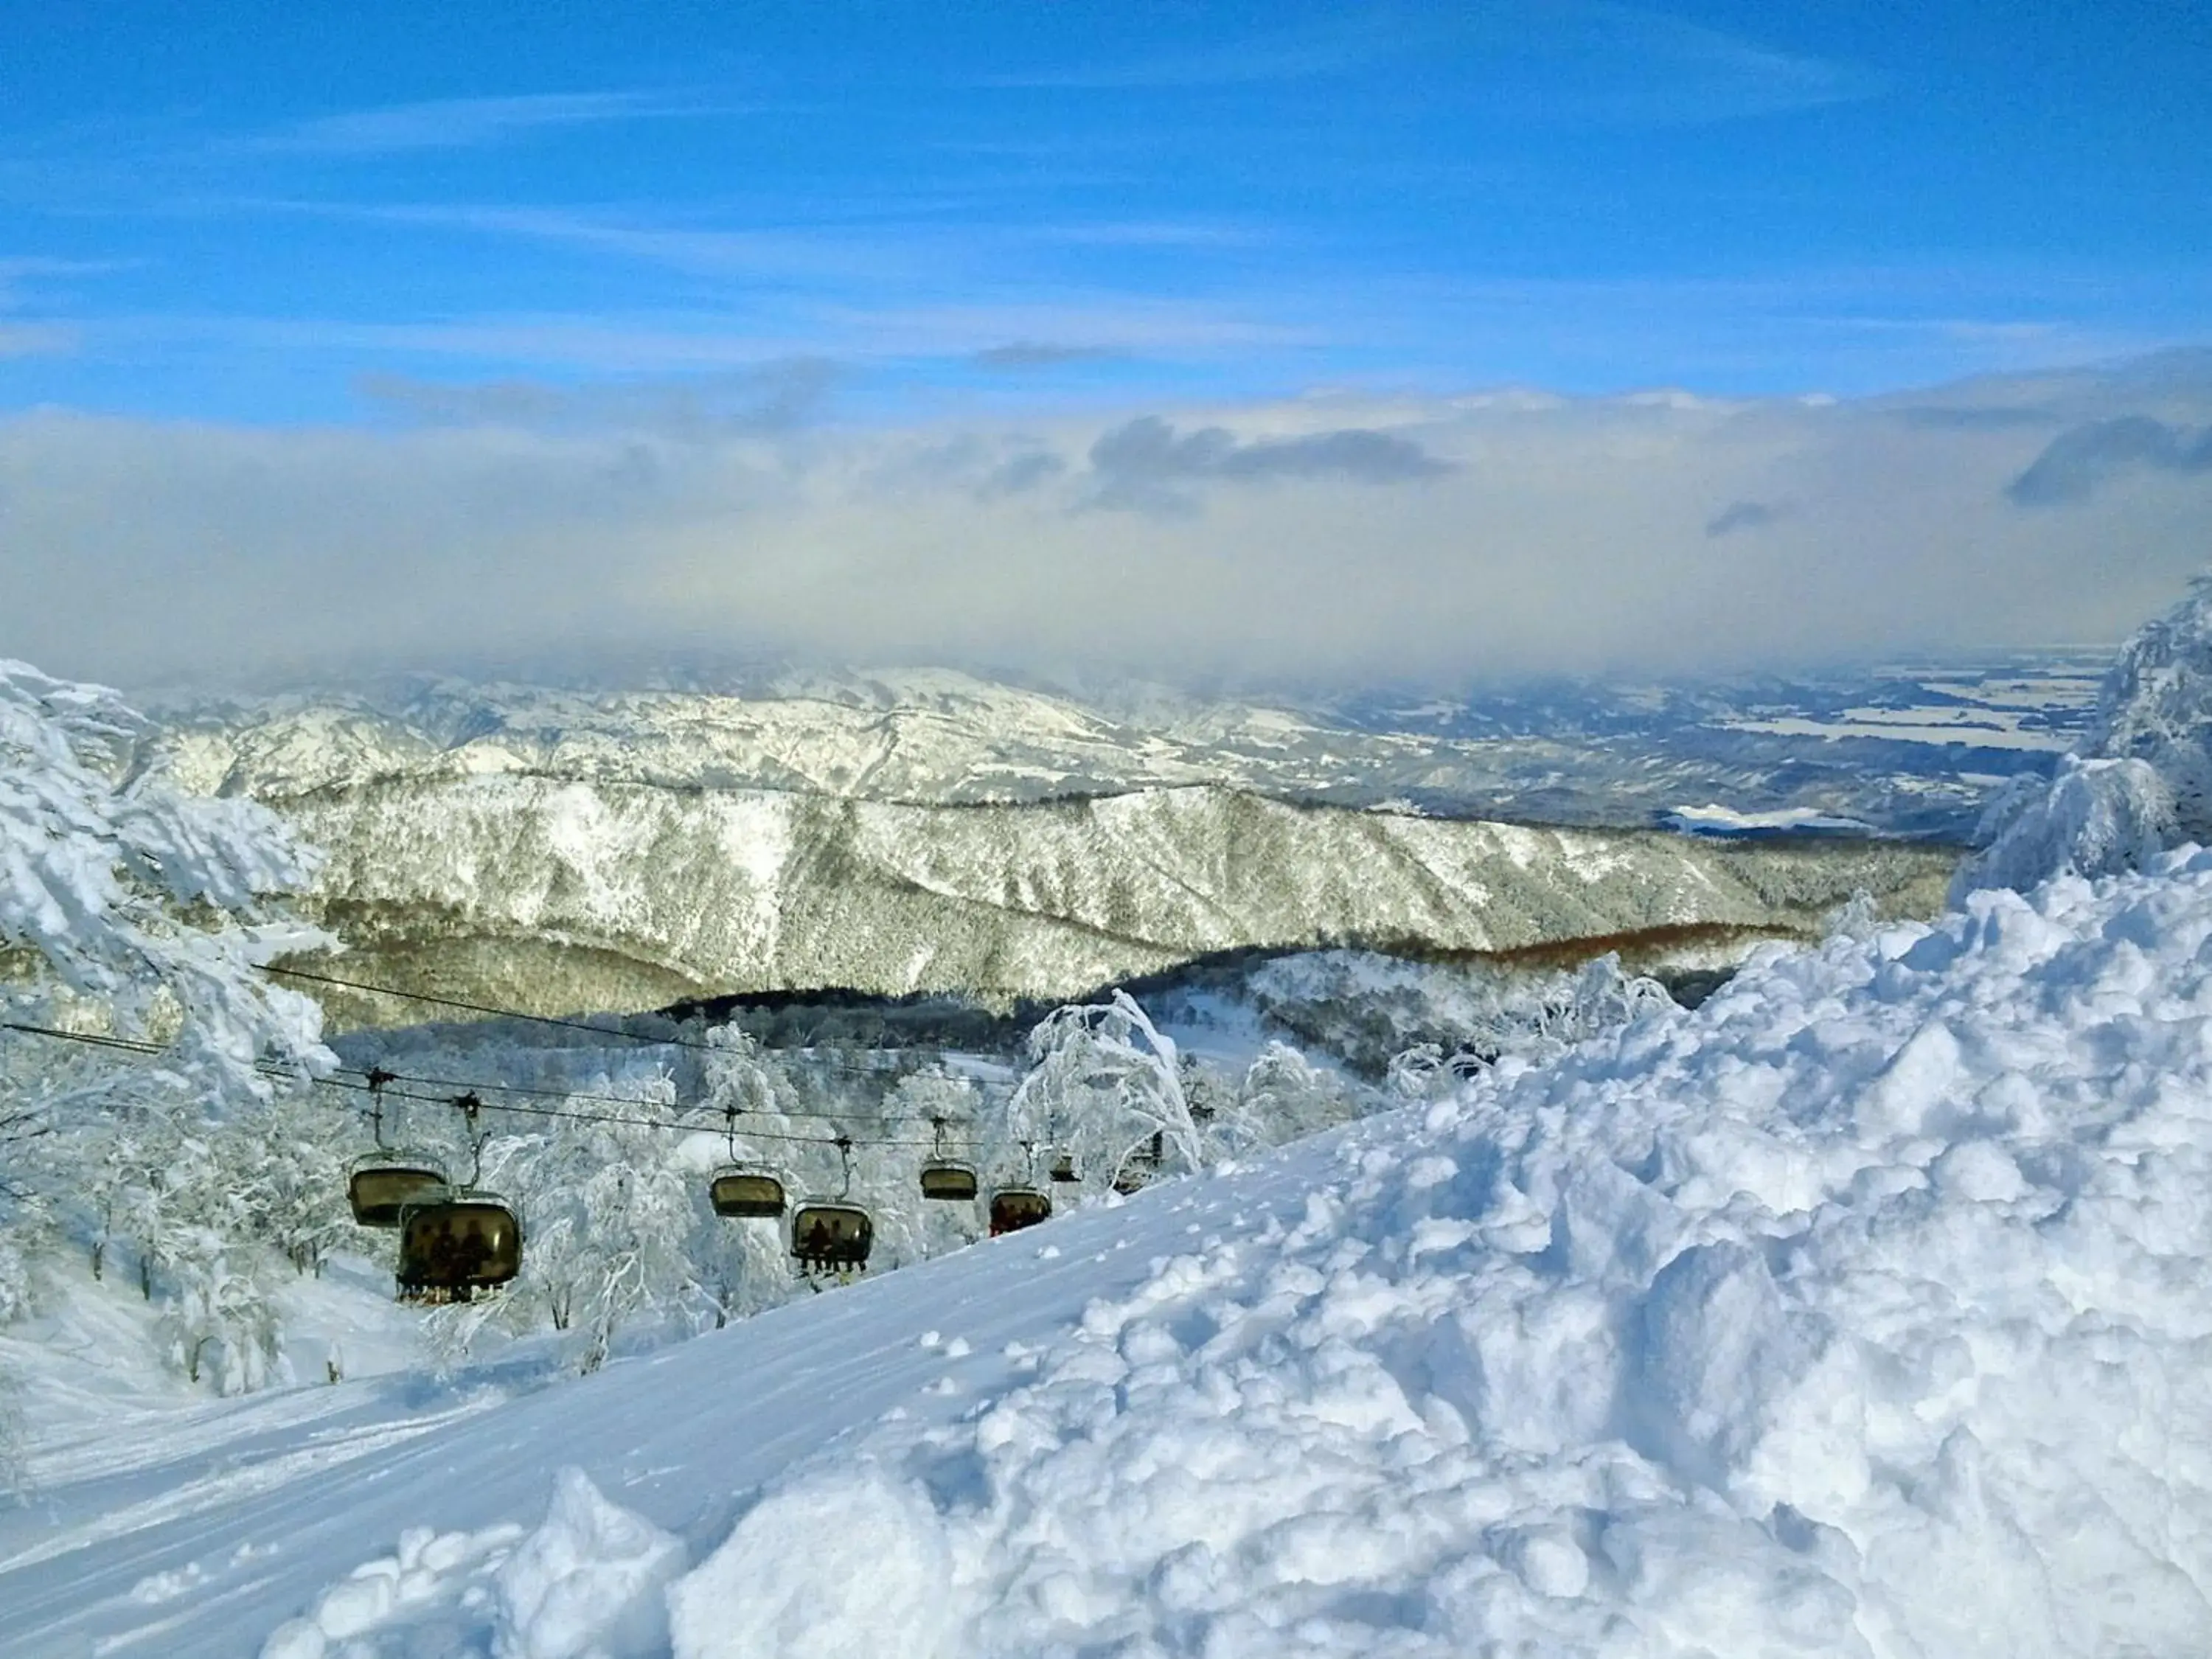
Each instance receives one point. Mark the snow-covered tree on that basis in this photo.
(610, 1204)
(140, 1179)
(2092, 817)
(219, 1321)
(2145, 782)
(286, 1178)
(2156, 707)
(130, 909)
(1283, 1096)
(1417, 1074)
(1104, 1088)
(156, 905)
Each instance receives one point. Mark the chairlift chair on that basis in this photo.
(382, 1183)
(944, 1178)
(742, 1191)
(744, 1194)
(1063, 1168)
(1013, 1208)
(459, 1241)
(1139, 1167)
(833, 1235)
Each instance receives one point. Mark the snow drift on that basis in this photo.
(1863, 1312)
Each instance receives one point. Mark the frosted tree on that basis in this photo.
(1419, 1073)
(2156, 707)
(2145, 784)
(609, 1206)
(1283, 1096)
(130, 907)
(142, 1177)
(1105, 1089)
(2092, 817)
(739, 1077)
(153, 906)
(220, 1322)
(131, 910)
(934, 1115)
(285, 1178)
(638, 1210)
(736, 1268)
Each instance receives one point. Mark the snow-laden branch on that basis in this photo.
(157, 905)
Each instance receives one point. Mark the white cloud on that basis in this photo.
(1441, 539)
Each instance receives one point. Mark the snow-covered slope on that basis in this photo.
(553, 895)
(1862, 1310)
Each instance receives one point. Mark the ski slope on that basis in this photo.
(1863, 1310)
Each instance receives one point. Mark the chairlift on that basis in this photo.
(833, 1235)
(1063, 1168)
(384, 1182)
(457, 1241)
(452, 1246)
(943, 1178)
(743, 1192)
(746, 1195)
(1022, 1205)
(1013, 1208)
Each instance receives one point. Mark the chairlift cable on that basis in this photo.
(148, 1050)
(570, 1094)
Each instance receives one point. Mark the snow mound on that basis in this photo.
(1864, 1312)
(586, 1584)
(852, 1564)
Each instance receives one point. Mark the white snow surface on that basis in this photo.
(1864, 1310)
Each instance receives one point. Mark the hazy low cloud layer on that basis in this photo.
(1327, 539)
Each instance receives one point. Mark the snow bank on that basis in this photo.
(1864, 1312)
(586, 1584)
(851, 1564)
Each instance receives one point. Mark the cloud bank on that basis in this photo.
(1327, 539)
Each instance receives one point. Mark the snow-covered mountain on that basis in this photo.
(1911, 750)
(560, 849)
(548, 895)
(1860, 1311)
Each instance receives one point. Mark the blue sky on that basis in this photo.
(277, 215)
